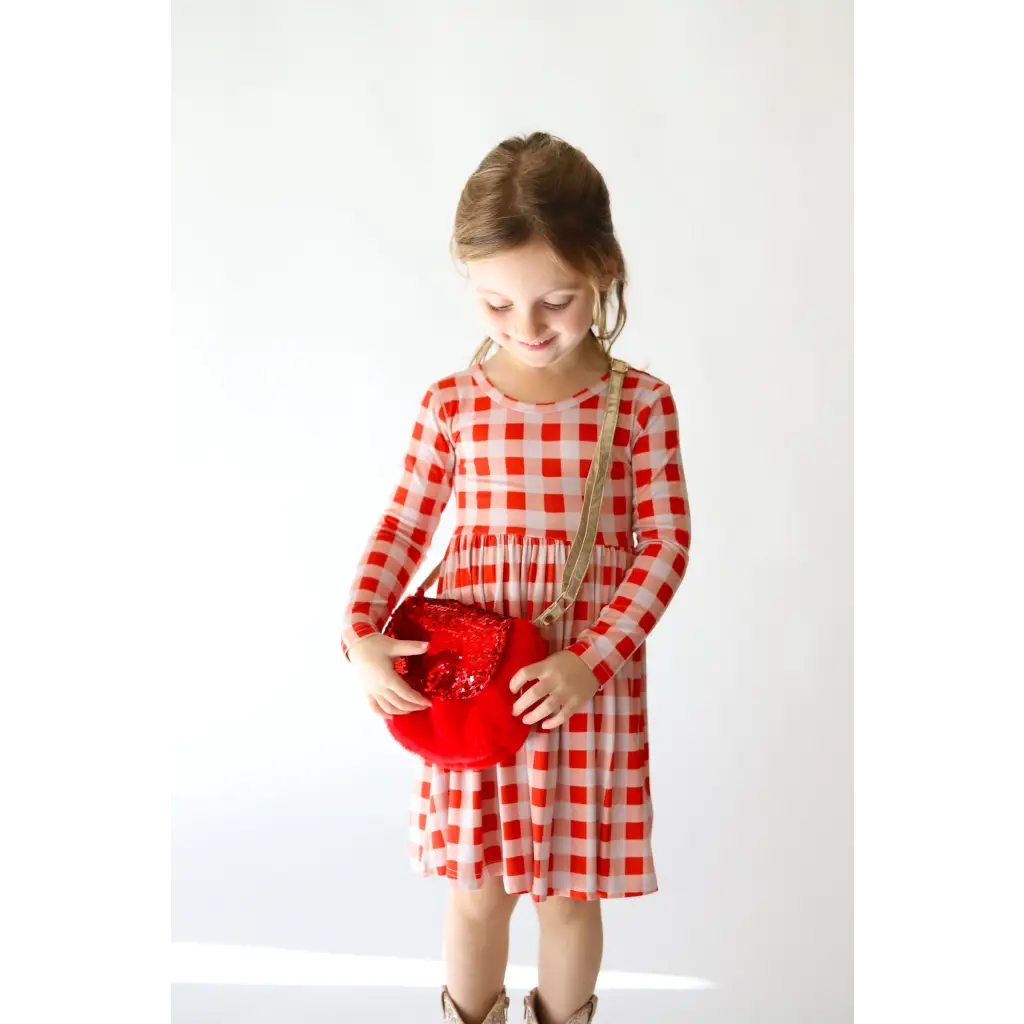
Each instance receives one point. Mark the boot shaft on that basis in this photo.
(498, 1013)
(584, 1015)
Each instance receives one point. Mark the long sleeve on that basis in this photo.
(403, 533)
(661, 525)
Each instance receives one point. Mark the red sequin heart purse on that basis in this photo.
(473, 653)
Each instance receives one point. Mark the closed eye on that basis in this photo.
(547, 305)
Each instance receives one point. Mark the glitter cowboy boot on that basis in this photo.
(498, 1013)
(584, 1015)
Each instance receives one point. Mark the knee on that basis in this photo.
(487, 904)
(561, 912)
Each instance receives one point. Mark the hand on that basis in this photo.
(387, 692)
(562, 683)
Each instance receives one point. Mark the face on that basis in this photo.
(534, 309)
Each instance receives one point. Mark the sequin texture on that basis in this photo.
(466, 646)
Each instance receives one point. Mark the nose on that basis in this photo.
(530, 329)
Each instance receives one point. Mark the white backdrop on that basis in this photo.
(319, 150)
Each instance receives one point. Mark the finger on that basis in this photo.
(386, 707)
(403, 706)
(549, 707)
(558, 720)
(539, 689)
(401, 690)
(376, 708)
(526, 674)
(404, 648)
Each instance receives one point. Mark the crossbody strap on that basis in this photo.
(578, 558)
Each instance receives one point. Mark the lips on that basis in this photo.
(538, 346)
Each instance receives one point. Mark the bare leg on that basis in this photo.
(476, 946)
(571, 945)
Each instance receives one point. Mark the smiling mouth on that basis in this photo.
(538, 345)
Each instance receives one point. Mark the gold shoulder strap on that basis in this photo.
(578, 558)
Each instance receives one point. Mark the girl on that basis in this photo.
(568, 819)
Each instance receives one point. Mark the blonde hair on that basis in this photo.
(538, 186)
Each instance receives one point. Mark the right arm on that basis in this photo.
(403, 533)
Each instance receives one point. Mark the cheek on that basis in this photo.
(493, 322)
(574, 320)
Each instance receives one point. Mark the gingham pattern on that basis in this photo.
(570, 814)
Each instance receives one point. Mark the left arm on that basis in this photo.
(661, 522)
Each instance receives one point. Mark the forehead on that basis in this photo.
(530, 269)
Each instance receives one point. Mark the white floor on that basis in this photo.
(248, 1004)
(219, 984)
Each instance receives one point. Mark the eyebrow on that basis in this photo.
(550, 291)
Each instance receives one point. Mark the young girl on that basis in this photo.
(568, 819)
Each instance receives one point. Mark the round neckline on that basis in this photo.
(484, 382)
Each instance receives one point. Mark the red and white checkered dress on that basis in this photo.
(570, 815)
